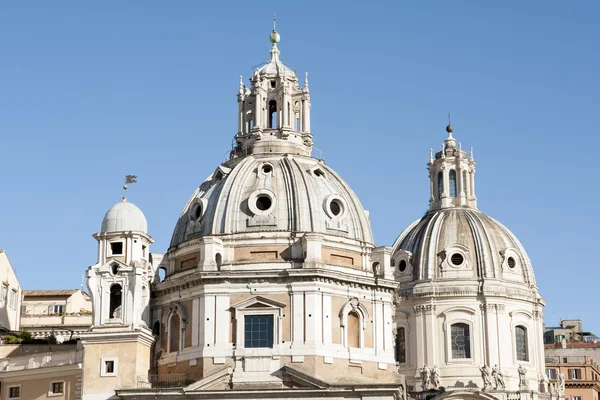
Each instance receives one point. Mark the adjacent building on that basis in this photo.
(572, 358)
(10, 295)
(62, 313)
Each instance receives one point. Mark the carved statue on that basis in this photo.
(435, 376)
(401, 392)
(118, 313)
(424, 377)
(561, 383)
(552, 389)
(486, 374)
(522, 381)
(498, 377)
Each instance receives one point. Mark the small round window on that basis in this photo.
(511, 262)
(267, 169)
(335, 207)
(402, 265)
(263, 202)
(457, 259)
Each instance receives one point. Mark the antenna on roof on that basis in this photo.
(274, 21)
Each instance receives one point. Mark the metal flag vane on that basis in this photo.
(274, 21)
(129, 179)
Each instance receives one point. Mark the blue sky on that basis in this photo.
(90, 91)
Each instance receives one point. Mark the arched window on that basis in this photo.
(116, 298)
(353, 330)
(460, 339)
(272, 114)
(452, 177)
(162, 274)
(174, 333)
(440, 184)
(219, 260)
(521, 343)
(401, 345)
(464, 186)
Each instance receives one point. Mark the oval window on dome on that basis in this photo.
(263, 202)
(402, 265)
(267, 169)
(457, 259)
(198, 211)
(511, 262)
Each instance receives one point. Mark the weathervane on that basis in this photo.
(129, 179)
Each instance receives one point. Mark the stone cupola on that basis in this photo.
(274, 112)
(452, 176)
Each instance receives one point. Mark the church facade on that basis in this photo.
(273, 287)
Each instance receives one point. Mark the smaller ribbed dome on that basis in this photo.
(460, 243)
(124, 216)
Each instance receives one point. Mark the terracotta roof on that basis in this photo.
(58, 292)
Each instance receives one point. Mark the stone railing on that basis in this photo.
(41, 360)
(161, 381)
(55, 320)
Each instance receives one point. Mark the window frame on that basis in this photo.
(8, 396)
(578, 372)
(51, 392)
(103, 361)
(452, 185)
(526, 338)
(4, 293)
(110, 249)
(397, 342)
(258, 305)
(465, 315)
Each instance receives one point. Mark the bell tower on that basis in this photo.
(274, 112)
(452, 176)
(118, 347)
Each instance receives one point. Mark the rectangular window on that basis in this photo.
(116, 248)
(461, 341)
(109, 367)
(574, 373)
(576, 397)
(57, 388)
(12, 299)
(401, 345)
(258, 331)
(4, 293)
(551, 373)
(58, 309)
(14, 392)
(144, 251)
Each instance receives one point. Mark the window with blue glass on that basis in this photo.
(464, 182)
(440, 184)
(258, 331)
(452, 177)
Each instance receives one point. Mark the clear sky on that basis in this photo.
(90, 91)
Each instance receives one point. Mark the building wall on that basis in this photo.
(132, 363)
(36, 386)
(10, 295)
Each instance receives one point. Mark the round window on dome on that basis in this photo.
(512, 263)
(335, 207)
(457, 259)
(402, 266)
(267, 169)
(263, 202)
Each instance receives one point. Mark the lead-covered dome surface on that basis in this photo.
(268, 192)
(124, 216)
(460, 243)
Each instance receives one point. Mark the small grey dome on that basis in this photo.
(460, 243)
(124, 216)
(277, 193)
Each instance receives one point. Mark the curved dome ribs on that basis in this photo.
(485, 243)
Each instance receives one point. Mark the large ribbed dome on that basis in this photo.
(124, 216)
(460, 243)
(273, 192)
